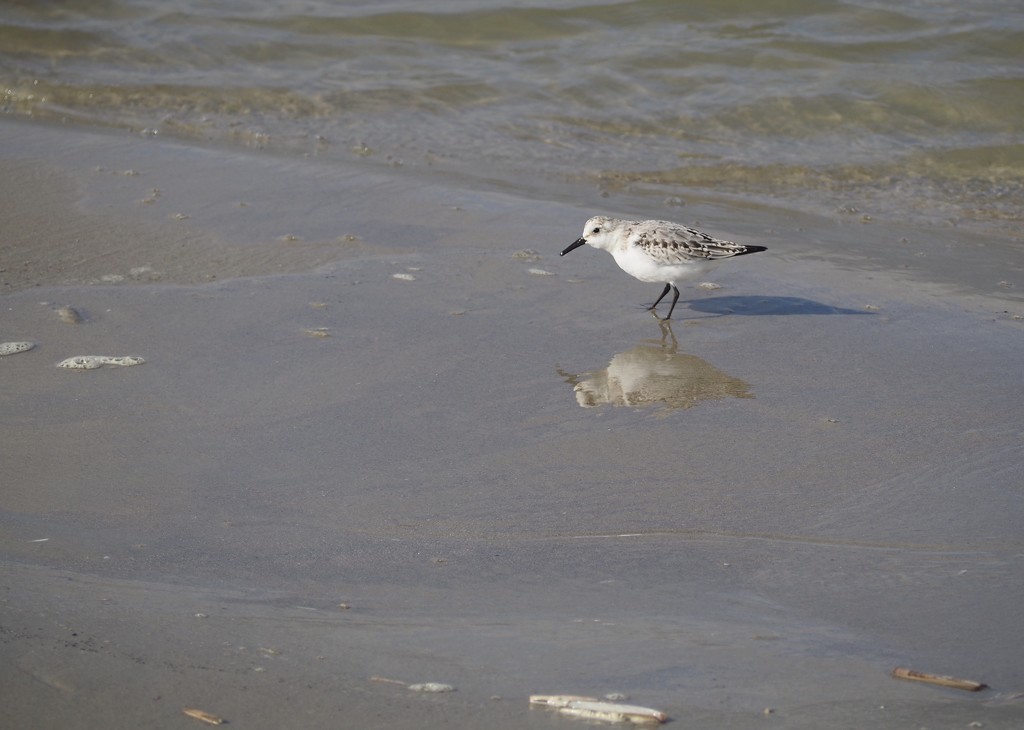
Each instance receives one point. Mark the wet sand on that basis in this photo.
(480, 473)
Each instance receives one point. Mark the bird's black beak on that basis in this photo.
(574, 245)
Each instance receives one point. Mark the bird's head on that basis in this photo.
(597, 232)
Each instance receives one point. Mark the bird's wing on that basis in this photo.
(671, 243)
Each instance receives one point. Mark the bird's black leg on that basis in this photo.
(656, 303)
(674, 300)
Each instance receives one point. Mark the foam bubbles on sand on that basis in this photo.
(91, 362)
(13, 348)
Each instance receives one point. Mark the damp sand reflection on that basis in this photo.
(655, 373)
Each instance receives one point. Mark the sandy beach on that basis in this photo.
(383, 431)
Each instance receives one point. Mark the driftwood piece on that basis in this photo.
(967, 684)
(204, 716)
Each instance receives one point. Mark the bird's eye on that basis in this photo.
(596, 230)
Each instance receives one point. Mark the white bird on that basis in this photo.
(658, 251)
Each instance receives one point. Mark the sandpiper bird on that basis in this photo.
(658, 251)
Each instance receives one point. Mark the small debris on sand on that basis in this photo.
(69, 315)
(437, 687)
(91, 362)
(431, 687)
(967, 684)
(591, 708)
(202, 715)
(13, 348)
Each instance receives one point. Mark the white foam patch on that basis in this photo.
(91, 362)
(13, 348)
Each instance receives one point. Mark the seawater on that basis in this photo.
(910, 111)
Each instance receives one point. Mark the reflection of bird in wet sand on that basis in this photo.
(658, 251)
(654, 373)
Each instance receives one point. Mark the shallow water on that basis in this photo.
(352, 396)
(856, 109)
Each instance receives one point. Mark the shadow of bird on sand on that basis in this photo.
(758, 305)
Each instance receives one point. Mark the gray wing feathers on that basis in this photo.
(671, 243)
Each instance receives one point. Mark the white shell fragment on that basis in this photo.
(13, 348)
(404, 277)
(91, 362)
(431, 687)
(591, 708)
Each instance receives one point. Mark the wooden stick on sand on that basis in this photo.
(968, 684)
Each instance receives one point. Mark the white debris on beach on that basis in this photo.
(591, 708)
(317, 331)
(431, 687)
(438, 687)
(13, 348)
(91, 362)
